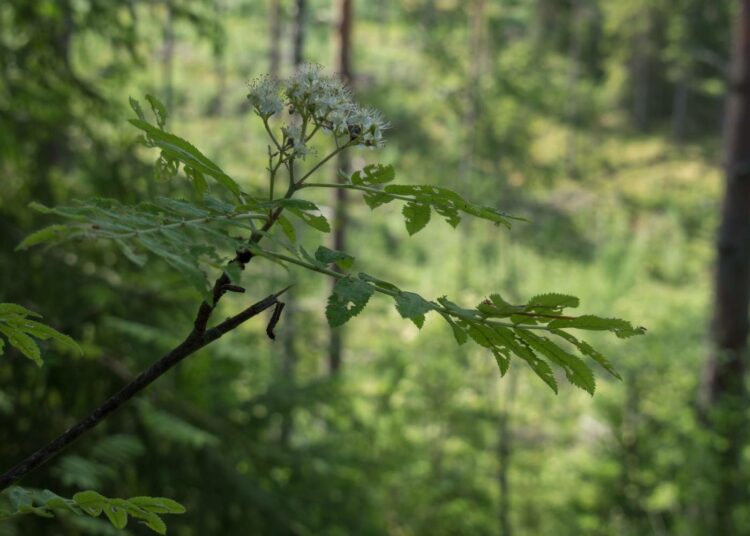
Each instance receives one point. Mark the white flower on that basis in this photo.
(264, 96)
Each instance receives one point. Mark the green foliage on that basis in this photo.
(176, 151)
(90, 503)
(20, 330)
(188, 235)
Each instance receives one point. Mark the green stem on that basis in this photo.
(270, 134)
(317, 166)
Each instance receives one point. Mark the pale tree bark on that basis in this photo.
(724, 395)
(340, 215)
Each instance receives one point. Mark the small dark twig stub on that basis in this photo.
(275, 316)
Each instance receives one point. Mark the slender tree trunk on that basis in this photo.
(340, 215)
(680, 106)
(168, 57)
(298, 36)
(291, 357)
(274, 46)
(725, 397)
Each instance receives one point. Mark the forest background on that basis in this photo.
(599, 121)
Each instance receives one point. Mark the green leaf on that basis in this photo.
(378, 282)
(116, 515)
(456, 310)
(587, 350)
(22, 342)
(576, 370)
(136, 106)
(90, 502)
(459, 333)
(496, 306)
(42, 331)
(179, 149)
(621, 328)
(288, 228)
(160, 111)
(417, 216)
(348, 299)
(328, 256)
(51, 233)
(552, 301)
(158, 505)
(316, 222)
(8, 309)
(412, 306)
(374, 200)
(373, 174)
(155, 523)
(199, 180)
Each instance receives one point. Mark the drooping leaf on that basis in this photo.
(318, 222)
(416, 216)
(349, 297)
(412, 306)
(576, 370)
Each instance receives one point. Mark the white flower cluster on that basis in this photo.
(265, 96)
(322, 100)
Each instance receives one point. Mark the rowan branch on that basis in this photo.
(197, 339)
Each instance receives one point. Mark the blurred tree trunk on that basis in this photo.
(274, 46)
(641, 68)
(298, 45)
(340, 216)
(680, 106)
(725, 397)
(291, 356)
(168, 57)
